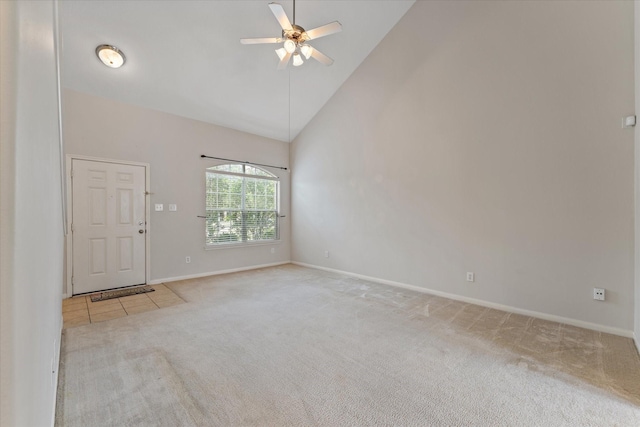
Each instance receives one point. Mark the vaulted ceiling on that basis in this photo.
(185, 58)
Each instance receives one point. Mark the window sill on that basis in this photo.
(241, 245)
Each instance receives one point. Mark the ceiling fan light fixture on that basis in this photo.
(289, 46)
(281, 52)
(294, 39)
(305, 49)
(110, 56)
(297, 60)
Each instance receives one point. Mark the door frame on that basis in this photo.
(68, 287)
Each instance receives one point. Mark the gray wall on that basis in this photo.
(172, 145)
(31, 253)
(482, 137)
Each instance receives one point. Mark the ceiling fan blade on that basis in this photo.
(325, 30)
(320, 57)
(280, 15)
(284, 61)
(261, 40)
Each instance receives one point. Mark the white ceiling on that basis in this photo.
(185, 58)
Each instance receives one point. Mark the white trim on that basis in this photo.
(68, 289)
(269, 169)
(216, 273)
(242, 175)
(507, 308)
(57, 49)
(105, 160)
(214, 247)
(636, 303)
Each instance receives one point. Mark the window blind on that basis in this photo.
(241, 205)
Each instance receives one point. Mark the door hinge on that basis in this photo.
(72, 281)
(72, 227)
(71, 173)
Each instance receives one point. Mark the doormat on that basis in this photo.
(121, 293)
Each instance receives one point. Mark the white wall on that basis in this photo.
(637, 157)
(483, 137)
(104, 128)
(31, 215)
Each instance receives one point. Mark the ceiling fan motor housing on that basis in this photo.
(296, 33)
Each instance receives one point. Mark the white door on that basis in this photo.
(108, 225)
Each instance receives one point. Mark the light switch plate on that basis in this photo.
(159, 207)
(173, 207)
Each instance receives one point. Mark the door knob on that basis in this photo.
(141, 231)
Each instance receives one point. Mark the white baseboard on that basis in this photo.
(507, 308)
(636, 339)
(214, 273)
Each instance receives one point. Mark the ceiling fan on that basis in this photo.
(295, 38)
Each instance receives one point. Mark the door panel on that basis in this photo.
(125, 254)
(108, 206)
(97, 256)
(97, 206)
(125, 206)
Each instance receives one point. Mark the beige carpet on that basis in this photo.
(296, 346)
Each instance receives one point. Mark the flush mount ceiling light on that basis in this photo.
(294, 39)
(110, 56)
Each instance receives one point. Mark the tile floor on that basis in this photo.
(78, 311)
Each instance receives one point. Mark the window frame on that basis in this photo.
(244, 176)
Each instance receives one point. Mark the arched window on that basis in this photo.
(241, 204)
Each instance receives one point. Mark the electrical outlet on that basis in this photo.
(471, 277)
(326, 254)
(53, 371)
(54, 365)
(187, 260)
(598, 294)
(173, 207)
(159, 207)
(273, 250)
